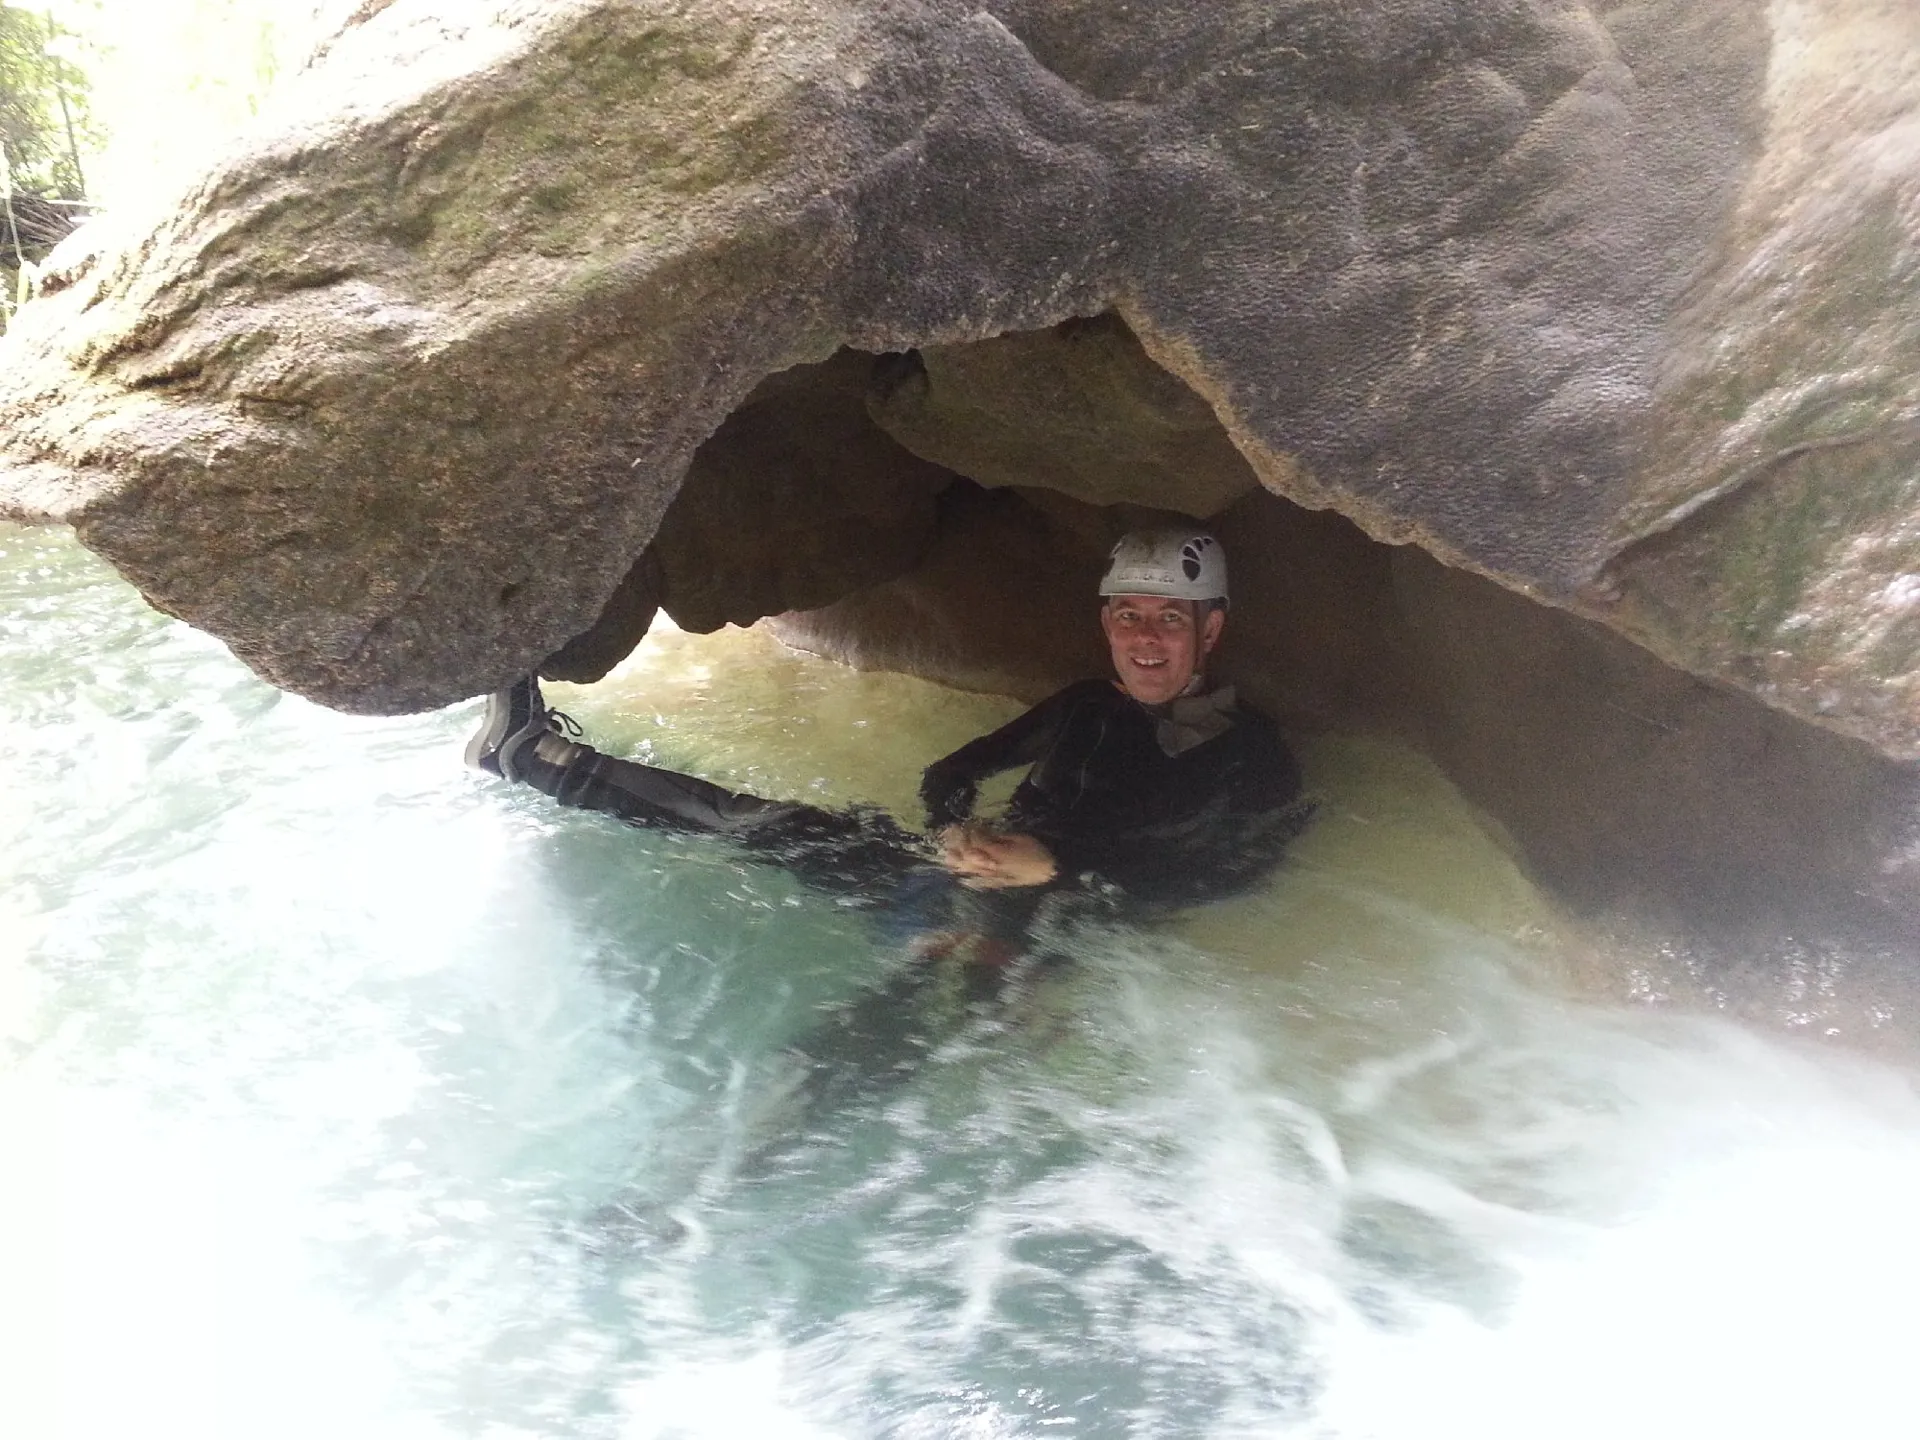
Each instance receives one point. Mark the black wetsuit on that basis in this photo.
(1106, 798)
(1103, 795)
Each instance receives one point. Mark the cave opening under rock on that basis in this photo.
(946, 511)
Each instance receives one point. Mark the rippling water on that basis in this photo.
(343, 1092)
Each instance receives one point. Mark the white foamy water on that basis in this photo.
(322, 1061)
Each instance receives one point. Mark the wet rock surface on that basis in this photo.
(797, 500)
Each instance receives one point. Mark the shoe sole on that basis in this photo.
(483, 748)
(497, 730)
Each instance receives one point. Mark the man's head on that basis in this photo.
(1166, 604)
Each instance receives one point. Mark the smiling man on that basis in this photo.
(1154, 781)
(1147, 790)
(1151, 782)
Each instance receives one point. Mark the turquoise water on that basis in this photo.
(323, 1059)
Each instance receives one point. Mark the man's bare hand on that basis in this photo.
(987, 859)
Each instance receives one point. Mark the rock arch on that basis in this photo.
(1606, 307)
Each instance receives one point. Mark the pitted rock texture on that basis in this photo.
(1607, 302)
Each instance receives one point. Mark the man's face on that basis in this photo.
(1156, 644)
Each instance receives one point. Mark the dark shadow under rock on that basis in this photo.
(1002, 603)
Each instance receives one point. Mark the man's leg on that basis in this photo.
(521, 740)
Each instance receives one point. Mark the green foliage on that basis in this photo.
(45, 124)
(45, 120)
(118, 102)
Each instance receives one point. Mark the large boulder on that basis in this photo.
(1613, 304)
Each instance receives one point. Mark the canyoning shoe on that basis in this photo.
(538, 751)
(511, 714)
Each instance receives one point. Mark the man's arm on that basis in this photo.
(949, 785)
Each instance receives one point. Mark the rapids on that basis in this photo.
(324, 1062)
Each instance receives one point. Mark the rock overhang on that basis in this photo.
(397, 400)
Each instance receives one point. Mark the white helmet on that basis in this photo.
(1182, 564)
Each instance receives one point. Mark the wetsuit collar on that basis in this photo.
(1190, 720)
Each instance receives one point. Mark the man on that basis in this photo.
(1153, 782)
(1151, 788)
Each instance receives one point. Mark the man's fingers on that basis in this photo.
(969, 848)
(991, 860)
